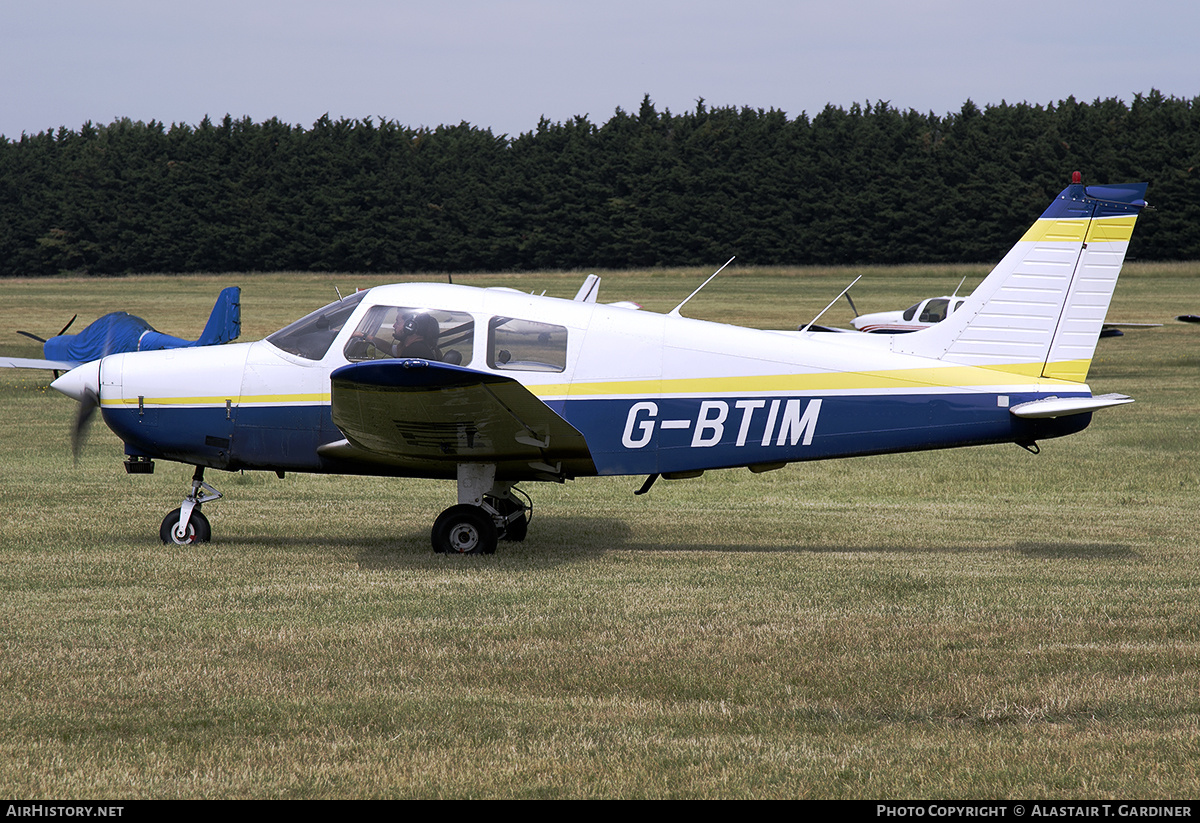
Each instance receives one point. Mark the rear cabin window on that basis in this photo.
(526, 345)
(405, 331)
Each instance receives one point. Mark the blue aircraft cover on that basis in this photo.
(123, 332)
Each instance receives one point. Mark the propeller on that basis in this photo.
(83, 385)
(83, 421)
(853, 307)
(33, 336)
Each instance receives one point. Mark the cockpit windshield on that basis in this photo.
(311, 335)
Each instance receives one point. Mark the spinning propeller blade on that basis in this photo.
(83, 419)
(83, 385)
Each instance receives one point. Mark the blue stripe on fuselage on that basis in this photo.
(632, 435)
(249, 437)
(640, 436)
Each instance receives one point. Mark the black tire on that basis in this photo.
(464, 529)
(198, 530)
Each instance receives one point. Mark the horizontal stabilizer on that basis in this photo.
(1066, 406)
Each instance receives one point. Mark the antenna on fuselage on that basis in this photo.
(675, 311)
(827, 308)
(959, 286)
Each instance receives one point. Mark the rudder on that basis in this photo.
(1040, 310)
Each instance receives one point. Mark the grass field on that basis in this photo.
(979, 623)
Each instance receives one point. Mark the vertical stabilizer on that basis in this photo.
(1040, 310)
(225, 322)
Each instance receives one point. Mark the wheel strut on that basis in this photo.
(201, 493)
(487, 511)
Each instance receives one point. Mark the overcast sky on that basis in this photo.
(503, 64)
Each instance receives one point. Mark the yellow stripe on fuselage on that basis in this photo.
(950, 377)
(264, 399)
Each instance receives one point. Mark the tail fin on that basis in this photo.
(1040, 310)
(225, 322)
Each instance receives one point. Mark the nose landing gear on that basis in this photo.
(187, 524)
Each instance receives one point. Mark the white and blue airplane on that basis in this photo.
(492, 387)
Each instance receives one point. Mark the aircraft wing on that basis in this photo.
(27, 363)
(430, 416)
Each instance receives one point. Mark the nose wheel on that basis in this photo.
(187, 525)
(195, 530)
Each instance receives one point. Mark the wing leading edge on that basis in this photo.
(27, 363)
(426, 417)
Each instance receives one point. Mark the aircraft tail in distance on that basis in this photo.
(224, 325)
(1040, 310)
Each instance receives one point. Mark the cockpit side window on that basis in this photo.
(408, 331)
(311, 335)
(526, 345)
(935, 310)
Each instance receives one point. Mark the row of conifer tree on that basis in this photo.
(871, 184)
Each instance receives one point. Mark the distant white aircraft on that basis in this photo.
(492, 387)
(931, 310)
(918, 316)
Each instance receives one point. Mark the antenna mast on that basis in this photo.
(831, 302)
(675, 311)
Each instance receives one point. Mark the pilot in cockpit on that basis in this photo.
(414, 334)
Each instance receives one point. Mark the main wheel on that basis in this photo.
(464, 529)
(197, 530)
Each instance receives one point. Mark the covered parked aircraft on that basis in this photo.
(491, 387)
(121, 331)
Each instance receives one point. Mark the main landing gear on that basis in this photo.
(487, 512)
(187, 524)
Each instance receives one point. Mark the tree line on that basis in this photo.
(868, 184)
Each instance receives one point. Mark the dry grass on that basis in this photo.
(977, 623)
